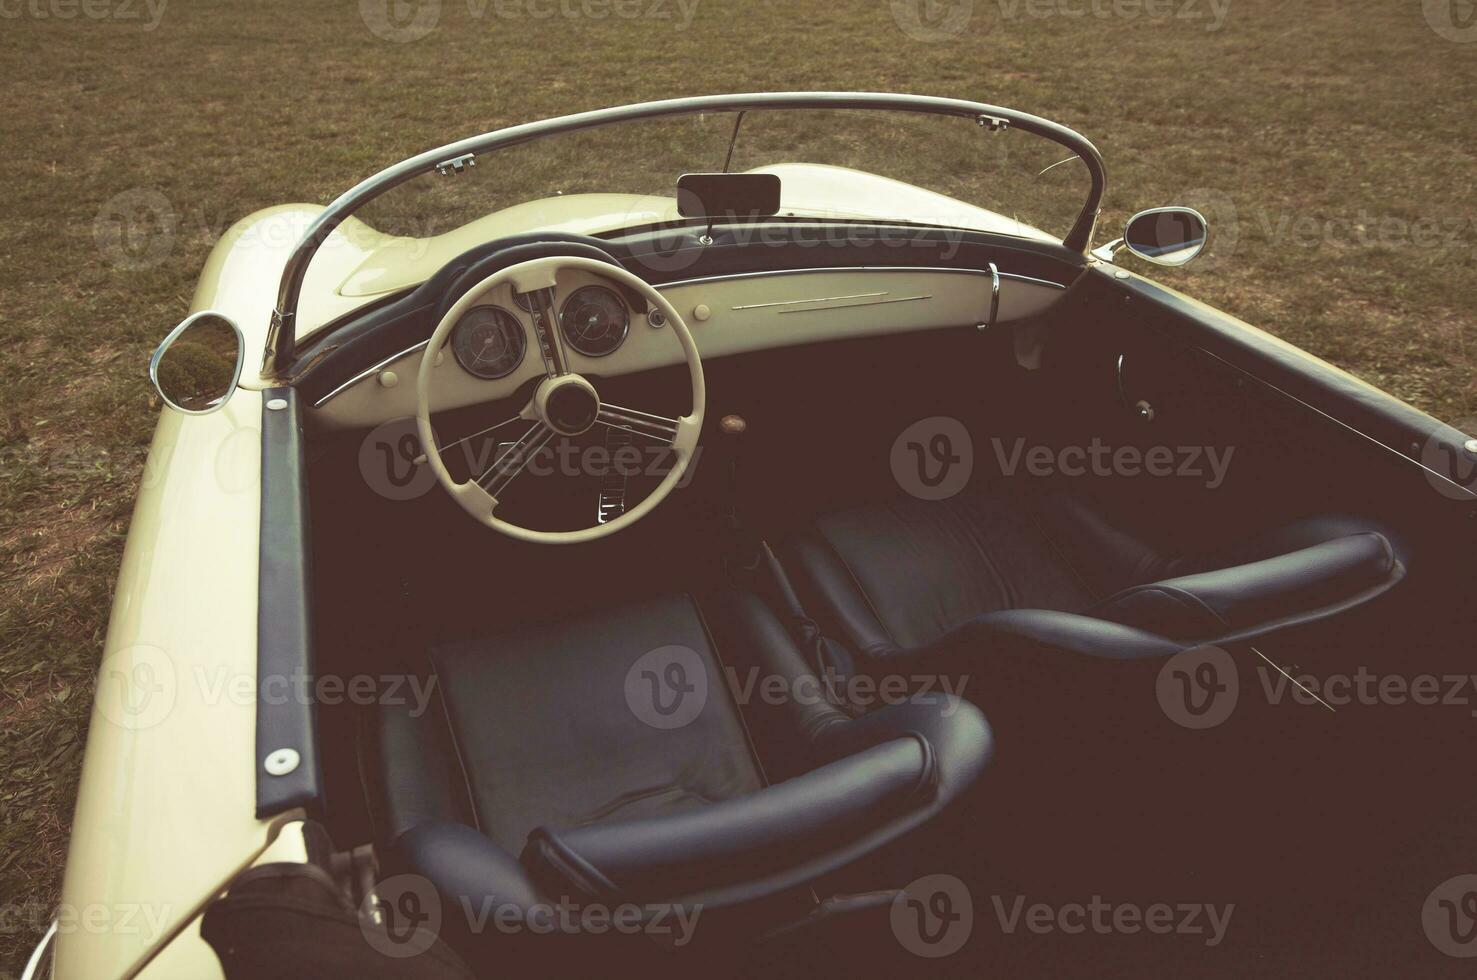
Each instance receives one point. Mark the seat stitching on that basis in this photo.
(456, 750)
(1071, 566)
(881, 625)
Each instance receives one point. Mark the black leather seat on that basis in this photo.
(1057, 623)
(996, 568)
(543, 772)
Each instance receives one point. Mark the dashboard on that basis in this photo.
(492, 350)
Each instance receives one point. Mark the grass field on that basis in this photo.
(1330, 144)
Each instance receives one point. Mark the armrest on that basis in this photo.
(748, 846)
(1250, 600)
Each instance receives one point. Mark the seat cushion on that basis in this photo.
(902, 575)
(544, 733)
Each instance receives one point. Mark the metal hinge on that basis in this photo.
(456, 164)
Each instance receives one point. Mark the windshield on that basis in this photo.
(840, 159)
(974, 178)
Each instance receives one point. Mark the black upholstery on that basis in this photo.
(906, 575)
(532, 778)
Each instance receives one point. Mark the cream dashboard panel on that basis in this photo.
(726, 315)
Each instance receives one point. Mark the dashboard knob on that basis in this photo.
(733, 425)
(701, 312)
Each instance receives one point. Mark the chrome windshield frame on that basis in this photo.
(281, 334)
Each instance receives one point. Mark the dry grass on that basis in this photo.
(1331, 145)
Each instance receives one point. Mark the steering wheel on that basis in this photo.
(564, 404)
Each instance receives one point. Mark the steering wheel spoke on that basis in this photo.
(505, 469)
(656, 427)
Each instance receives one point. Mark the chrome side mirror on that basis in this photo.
(1164, 236)
(198, 365)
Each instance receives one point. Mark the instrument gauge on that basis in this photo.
(594, 321)
(489, 342)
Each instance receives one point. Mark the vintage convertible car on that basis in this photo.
(761, 532)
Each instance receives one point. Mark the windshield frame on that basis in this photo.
(281, 333)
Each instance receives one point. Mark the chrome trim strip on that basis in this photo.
(374, 370)
(856, 268)
(39, 955)
(852, 306)
(800, 302)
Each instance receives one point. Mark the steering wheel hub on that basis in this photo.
(568, 404)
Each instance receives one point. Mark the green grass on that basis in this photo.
(1289, 126)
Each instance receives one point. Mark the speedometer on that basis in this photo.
(594, 321)
(489, 342)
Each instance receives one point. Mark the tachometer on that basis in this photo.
(489, 342)
(594, 321)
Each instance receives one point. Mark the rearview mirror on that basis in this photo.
(717, 196)
(198, 365)
(1166, 236)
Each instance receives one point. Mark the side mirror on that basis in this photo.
(196, 368)
(1164, 236)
